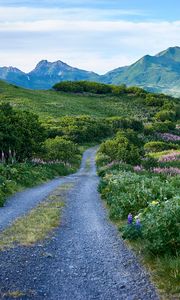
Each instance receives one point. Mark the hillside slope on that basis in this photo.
(51, 104)
(159, 73)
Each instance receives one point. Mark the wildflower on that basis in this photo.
(138, 224)
(169, 171)
(138, 168)
(169, 137)
(130, 218)
(154, 202)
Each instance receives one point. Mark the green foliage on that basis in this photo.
(21, 134)
(131, 231)
(149, 163)
(157, 146)
(125, 123)
(124, 147)
(152, 100)
(165, 115)
(83, 86)
(81, 129)
(14, 177)
(161, 227)
(62, 150)
(154, 199)
(163, 126)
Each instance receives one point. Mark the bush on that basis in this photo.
(121, 149)
(159, 146)
(83, 86)
(163, 126)
(149, 163)
(62, 150)
(153, 100)
(165, 115)
(81, 129)
(124, 123)
(21, 134)
(13, 177)
(160, 224)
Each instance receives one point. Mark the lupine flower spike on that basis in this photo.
(130, 218)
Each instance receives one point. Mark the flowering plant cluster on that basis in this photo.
(132, 230)
(40, 161)
(138, 168)
(173, 156)
(169, 137)
(169, 171)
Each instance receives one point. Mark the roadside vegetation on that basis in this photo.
(43, 134)
(140, 182)
(38, 224)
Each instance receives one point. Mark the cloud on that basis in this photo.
(12, 14)
(93, 39)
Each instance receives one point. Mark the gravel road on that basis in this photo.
(85, 259)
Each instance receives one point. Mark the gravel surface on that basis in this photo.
(19, 204)
(85, 259)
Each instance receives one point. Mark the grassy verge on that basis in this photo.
(38, 224)
(143, 195)
(16, 177)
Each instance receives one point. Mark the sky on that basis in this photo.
(95, 35)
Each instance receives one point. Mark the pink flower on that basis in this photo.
(169, 137)
(173, 156)
(138, 168)
(169, 171)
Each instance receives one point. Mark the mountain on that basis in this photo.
(13, 75)
(159, 73)
(45, 75)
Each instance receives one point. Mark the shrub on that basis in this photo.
(165, 115)
(149, 163)
(62, 150)
(163, 126)
(160, 224)
(121, 149)
(153, 100)
(81, 129)
(159, 146)
(83, 86)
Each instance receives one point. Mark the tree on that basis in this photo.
(62, 150)
(21, 134)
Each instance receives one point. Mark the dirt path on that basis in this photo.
(85, 259)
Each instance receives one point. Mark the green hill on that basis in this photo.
(51, 104)
(159, 73)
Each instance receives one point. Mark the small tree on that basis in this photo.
(62, 150)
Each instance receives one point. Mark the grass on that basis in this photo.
(19, 176)
(14, 294)
(158, 155)
(164, 271)
(51, 104)
(38, 224)
(88, 164)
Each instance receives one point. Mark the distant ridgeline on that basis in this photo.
(159, 73)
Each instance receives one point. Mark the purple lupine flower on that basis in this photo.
(130, 218)
(138, 224)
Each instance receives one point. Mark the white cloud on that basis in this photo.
(29, 13)
(88, 39)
